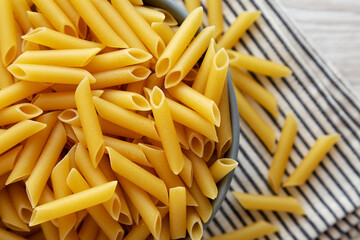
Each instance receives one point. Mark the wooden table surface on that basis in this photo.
(333, 28)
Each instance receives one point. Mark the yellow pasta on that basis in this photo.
(8, 158)
(110, 128)
(50, 231)
(44, 165)
(53, 74)
(18, 112)
(269, 203)
(38, 20)
(56, 16)
(64, 57)
(8, 43)
(195, 141)
(221, 167)
(253, 231)
(282, 153)
(200, 103)
(177, 212)
(180, 132)
(4, 234)
(189, 58)
(258, 65)
(139, 25)
(253, 119)
(215, 16)
(89, 121)
(254, 90)
(128, 100)
(169, 19)
(150, 15)
(217, 76)
(20, 9)
(164, 31)
(204, 208)
(6, 78)
(209, 148)
(70, 116)
(89, 229)
(179, 42)
(243, 21)
(32, 149)
(187, 173)
(57, 40)
(139, 176)
(194, 225)
(166, 129)
(20, 201)
(311, 160)
(190, 5)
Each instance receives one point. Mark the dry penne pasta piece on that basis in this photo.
(32, 149)
(253, 231)
(18, 112)
(89, 121)
(56, 17)
(191, 5)
(269, 203)
(200, 81)
(194, 225)
(20, 201)
(69, 10)
(97, 24)
(180, 132)
(215, 16)
(166, 129)
(89, 229)
(117, 59)
(126, 118)
(157, 158)
(139, 25)
(150, 15)
(72, 203)
(317, 152)
(50, 231)
(179, 42)
(4, 234)
(243, 21)
(59, 100)
(248, 85)
(128, 100)
(57, 40)
(195, 141)
(63, 57)
(18, 91)
(187, 173)
(6, 78)
(223, 132)
(202, 176)
(195, 100)
(177, 212)
(44, 165)
(20, 8)
(118, 24)
(38, 19)
(204, 208)
(221, 167)
(282, 153)
(217, 76)
(112, 129)
(106, 223)
(18, 133)
(169, 19)
(47, 73)
(189, 58)
(70, 116)
(253, 119)
(3, 180)
(9, 215)
(8, 158)
(164, 31)
(139, 176)
(258, 65)
(8, 46)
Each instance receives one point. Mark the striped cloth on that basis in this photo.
(323, 103)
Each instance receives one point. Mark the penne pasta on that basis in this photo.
(127, 100)
(8, 42)
(112, 129)
(194, 225)
(20, 201)
(204, 208)
(257, 65)
(70, 116)
(57, 40)
(195, 141)
(269, 203)
(254, 90)
(50, 231)
(317, 152)
(89, 121)
(253, 119)
(180, 132)
(20, 8)
(179, 42)
(150, 15)
(242, 22)
(187, 173)
(38, 20)
(8, 158)
(190, 5)
(215, 16)
(177, 212)
(221, 167)
(89, 229)
(64, 57)
(6, 78)
(56, 17)
(189, 58)
(18, 112)
(253, 231)
(52, 74)
(166, 129)
(282, 153)
(164, 31)
(139, 25)
(169, 18)
(4, 234)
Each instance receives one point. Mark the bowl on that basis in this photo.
(180, 14)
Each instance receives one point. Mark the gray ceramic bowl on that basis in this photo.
(223, 186)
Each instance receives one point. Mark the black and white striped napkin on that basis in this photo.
(323, 103)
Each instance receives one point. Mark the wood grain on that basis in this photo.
(333, 28)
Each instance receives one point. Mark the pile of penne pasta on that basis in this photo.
(114, 119)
